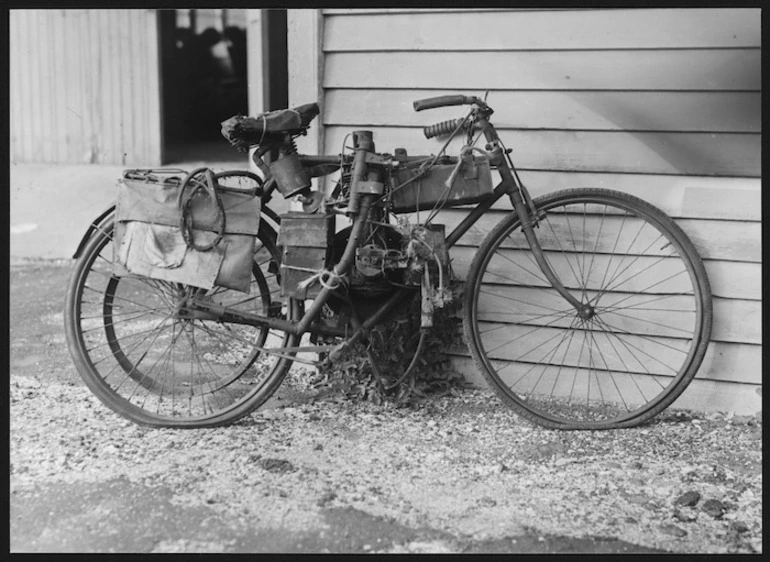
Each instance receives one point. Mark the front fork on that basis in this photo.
(584, 310)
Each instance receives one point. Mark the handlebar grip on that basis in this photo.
(443, 128)
(441, 101)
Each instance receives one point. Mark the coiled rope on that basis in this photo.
(190, 188)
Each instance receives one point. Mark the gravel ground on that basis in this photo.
(457, 474)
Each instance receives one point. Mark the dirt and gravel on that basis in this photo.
(317, 473)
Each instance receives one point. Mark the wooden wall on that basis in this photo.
(85, 86)
(660, 103)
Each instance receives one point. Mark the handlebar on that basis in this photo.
(447, 127)
(444, 101)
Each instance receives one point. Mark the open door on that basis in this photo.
(276, 63)
(204, 76)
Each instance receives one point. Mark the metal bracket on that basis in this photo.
(470, 170)
(371, 187)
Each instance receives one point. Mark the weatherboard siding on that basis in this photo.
(664, 104)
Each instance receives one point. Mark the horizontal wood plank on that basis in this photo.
(735, 320)
(736, 112)
(724, 362)
(576, 383)
(653, 277)
(730, 241)
(532, 30)
(717, 154)
(507, 315)
(714, 240)
(715, 396)
(677, 196)
(732, 362)
(735, 362)
(735, 280)
(389, 11)
(700, 70)
(703, 394)
(729, 280)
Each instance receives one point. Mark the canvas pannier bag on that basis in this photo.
(152, 240)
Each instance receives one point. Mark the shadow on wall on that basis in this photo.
(697, 152)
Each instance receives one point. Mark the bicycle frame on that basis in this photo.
(509, 186)
(170, 355)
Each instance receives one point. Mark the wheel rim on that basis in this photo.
(627, 353)
(159, 368)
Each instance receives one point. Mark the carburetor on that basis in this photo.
(416, 247)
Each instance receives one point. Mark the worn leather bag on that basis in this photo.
(149, 241)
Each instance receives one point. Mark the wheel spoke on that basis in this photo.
(627, 344)
(578, 279)
(159, 369)
(610, 365)
(533, 330)
(157, 328)
(134, 369)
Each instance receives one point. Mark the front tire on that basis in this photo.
(616, 367)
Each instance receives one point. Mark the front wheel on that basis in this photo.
(642, 334)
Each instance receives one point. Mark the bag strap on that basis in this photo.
(184, 201)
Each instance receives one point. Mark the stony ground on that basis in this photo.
(314, 473)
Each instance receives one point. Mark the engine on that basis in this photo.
(391, 253)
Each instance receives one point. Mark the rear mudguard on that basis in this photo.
(106, 215)
(93, 227)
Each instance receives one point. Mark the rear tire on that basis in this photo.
(627, 360)
(162, 371)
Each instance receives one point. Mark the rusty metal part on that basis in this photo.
(311, 202)
(306, 241)
(292, 178)
(426, 301)
(363, 144)
(371, 187)
(420, 189)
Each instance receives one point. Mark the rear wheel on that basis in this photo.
(635, 348)
(148, 364)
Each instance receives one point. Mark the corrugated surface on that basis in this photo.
(85, 86)
(663, 104)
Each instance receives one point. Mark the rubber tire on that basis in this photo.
(664, 222)
(94, 381)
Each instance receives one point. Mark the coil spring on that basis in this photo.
(443, 128)
(290, 147)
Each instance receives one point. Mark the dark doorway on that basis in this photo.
(203, 82)
(276, 70)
